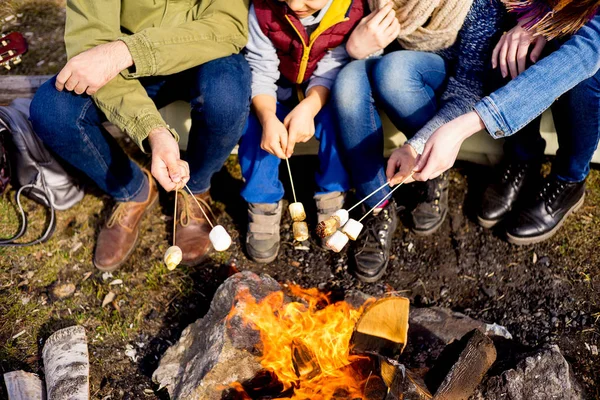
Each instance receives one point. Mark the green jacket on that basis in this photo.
(163, 36)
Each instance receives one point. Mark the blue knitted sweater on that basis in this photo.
(469, 66)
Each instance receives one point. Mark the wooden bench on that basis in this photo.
(480, 148)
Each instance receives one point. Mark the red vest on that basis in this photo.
(298, 54)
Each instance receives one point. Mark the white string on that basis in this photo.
(387, 196)
(287, 160)
(199, 206)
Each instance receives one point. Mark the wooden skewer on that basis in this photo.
(287, 160)
(369, 196)
(387, 196)
(199, 206)
(175, 217)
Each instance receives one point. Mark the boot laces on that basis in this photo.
(118, 214)
(188, 204)
(551, 189)
(514, 173)
(376, 232)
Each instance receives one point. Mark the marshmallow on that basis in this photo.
(352, 228)
(219, 238)
(342, 215)
(173, 257)
(301, 231)
(297, 212)
(328, 227)
(337, 241)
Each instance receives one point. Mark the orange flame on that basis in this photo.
(306, 345)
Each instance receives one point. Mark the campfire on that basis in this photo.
(316, 349)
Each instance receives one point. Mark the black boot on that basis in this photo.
(543, 217)
(430, 213)
(371, 252)
(500, 196)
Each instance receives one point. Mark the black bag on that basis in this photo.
(35, 171)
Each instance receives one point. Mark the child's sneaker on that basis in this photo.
(262, 240)
(327, 205)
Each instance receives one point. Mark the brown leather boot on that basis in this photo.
(118, 237)
(192, 227)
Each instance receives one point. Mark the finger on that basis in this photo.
(71, 83)
(536, 53)
(502, 58)
(81, 88)
(389, 19)
(423, 158)
(159, 171)
(511, 59)
(283, 140)
(91, 90)
(496, 52)
(291, 143)
(381, 14)
(393, 29)
(62, 77)
(173, 168)
(522, 57)
(277, 150)
(392, 166)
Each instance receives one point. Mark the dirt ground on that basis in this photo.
(543, 293)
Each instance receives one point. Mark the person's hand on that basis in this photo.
(171, 172)
(511, 51)
(89, 71)
(373, 33)
(275, 136)
(300, 124)
(442, 147)
(401, 164)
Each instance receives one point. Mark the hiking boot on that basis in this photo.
(371, 251)
(262, 240)
(500, 197)
(193, 229)
(327, 205)
(429, 214)
(117, 239)
(544, 216)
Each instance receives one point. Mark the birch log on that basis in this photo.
(21, 385)
(66, 365)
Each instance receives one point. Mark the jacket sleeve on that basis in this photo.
(219, 30)
(509, 109)
(123, 101)
(329, 67)
(466, 83)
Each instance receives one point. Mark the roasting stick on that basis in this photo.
(369, 196)
(173, 255)
(175, 218)
(386, 197)
(199, 206)
(287, 160)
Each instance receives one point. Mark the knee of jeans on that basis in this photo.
(53, 109)
(351, 89)
(399, 71)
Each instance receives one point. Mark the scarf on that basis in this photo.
(554, 18)
(428, 25)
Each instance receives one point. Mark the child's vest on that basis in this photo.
(298, 53)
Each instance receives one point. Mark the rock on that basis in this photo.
(542, 376)
(62, 291)
(213, 352)
(110, 296)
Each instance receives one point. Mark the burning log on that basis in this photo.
(304, 360)
(383, 328)
(66, 364)
(402, 383)
(21, 385)
(465, 373)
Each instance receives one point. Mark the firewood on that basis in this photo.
(21, 385)
(304, 360)
(66, 364)
(467, 372)
(383, 328)
(403, 384)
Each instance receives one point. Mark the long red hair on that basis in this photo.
(554, 18)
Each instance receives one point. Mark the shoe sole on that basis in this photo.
(265, 260)
(537, 239)
(433, 229)
(373, 279)
(488, 223)
(112, 268)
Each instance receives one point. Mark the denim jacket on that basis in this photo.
(509, 109)
(163, 36)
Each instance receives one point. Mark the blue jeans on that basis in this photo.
(405, 85)
(577, 120)
(219, 93)
(261, 169)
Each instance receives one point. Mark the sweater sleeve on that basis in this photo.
(515, 105)
(466, 82)
(262, 58)
(329, 67)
